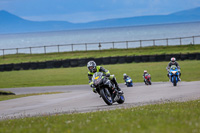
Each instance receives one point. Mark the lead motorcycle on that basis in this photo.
(174, 75)
(106, 89)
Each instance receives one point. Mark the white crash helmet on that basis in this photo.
(145, 71)
(173, 59)
(91, 65)
(124, 74)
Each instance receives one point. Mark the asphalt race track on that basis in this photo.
(80, 98)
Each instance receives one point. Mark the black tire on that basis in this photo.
(174, 81)
(149, 82)
(121, 100)
(104, 95)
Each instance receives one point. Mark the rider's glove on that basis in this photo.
(92, 85)
(108, 75)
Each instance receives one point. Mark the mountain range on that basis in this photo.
(10, 23)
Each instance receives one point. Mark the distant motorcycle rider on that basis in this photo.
(125, 76)
(173, 62)
(92, 67)
(145, 73)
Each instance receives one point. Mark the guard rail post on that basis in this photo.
(99, 46)
(72, 47)
(44, 49)
(85, 46)
(193, 40)
(3, 53)
(180, 42)
(58, 48)
(30, 51)
(167, 41)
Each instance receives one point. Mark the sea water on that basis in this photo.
(95, 36)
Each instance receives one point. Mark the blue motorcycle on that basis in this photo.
(174, 75)
(129, 82)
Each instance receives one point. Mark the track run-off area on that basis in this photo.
(80, 98)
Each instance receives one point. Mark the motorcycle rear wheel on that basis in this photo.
(121, 100)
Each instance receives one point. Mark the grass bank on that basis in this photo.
(18, 58)
(174, 117)
(75, 76)
(7, 97)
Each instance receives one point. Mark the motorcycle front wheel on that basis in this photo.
(174, 81)
(149, 82)
(105, 94)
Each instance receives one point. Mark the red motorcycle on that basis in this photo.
(147, 79)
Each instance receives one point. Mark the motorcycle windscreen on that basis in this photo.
(97, 78)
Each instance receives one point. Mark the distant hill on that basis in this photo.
(10, 23)
(190, 12)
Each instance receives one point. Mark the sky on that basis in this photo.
(81, 11)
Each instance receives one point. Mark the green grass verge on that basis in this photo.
(183, 117)
(102, 53)
(75, 76)
(7, 97)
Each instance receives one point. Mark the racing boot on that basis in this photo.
(168, 75)
(119, 89)
(179, 79)
(179, 76)
(170, 79)
(94, 90)
(117, 86)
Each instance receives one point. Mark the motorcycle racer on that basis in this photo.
(92, 67)
(173, 62)
(125, 76)
(145, 72)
